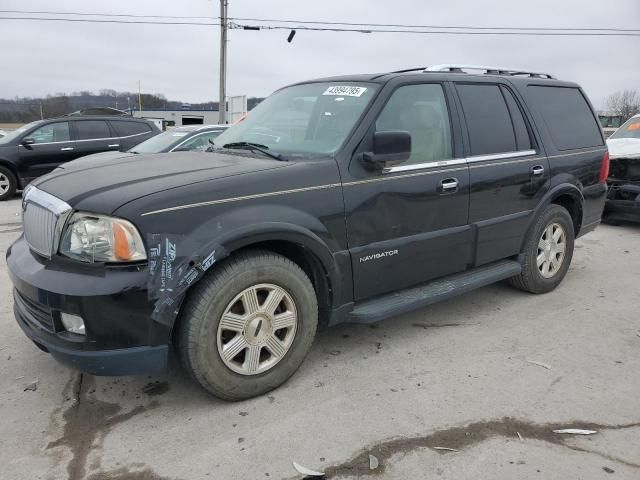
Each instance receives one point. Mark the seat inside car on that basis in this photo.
(427, 135)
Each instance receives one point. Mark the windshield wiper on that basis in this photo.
(257, 147)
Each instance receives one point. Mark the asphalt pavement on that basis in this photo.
(467, 389)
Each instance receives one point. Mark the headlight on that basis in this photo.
(98, 238)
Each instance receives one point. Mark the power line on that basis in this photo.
(311, 22)
(440, 32)
(632, 33)
(459, 27)
(87, 14)
(84, 20)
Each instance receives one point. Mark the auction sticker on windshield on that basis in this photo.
(344, 90)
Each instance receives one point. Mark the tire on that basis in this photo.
(540, 279)
(227, 290)
(8, 183)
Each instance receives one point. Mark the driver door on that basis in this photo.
(52, 145)
(409, 223)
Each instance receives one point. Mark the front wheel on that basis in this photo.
(8, 183)
(248, 326)
(548, 250)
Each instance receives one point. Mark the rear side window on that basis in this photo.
(523, 140)
(488, 120)
(124, 128)
(569, 119)
(92, 130)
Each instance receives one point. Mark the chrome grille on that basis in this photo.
(43, 217)
(39, 228)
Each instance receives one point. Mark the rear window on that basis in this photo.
(488, 120)
(124, 128)
(569, 119)
(91, 129)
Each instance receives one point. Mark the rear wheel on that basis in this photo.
(548, 251)
(248, 326)
(8, 183)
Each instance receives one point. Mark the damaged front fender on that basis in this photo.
(176, 263)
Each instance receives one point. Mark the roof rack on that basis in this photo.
(455, 68)
(407, 70)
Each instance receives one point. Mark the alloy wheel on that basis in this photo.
(551, 250)
(257, 329)
(5, 184)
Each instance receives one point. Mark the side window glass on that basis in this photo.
(568, 116)
(198, 142)
(523, 139)
(487, 118)
(124, 128)
(422, 111)
(54, 132)
(201, 142)
(92, 129)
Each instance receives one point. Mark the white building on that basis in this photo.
(236, 110)
(178, 118)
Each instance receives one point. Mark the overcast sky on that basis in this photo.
(182, 61)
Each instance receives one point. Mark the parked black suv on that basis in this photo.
(347, 199)
(39, 147)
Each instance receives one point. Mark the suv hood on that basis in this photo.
(624, 148)
(103, 186)
(94, 159)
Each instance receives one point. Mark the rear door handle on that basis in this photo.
(66, 149)
(113, 145)
(449, 184)
(537, 170)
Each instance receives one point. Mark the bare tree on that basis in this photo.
(625, 103)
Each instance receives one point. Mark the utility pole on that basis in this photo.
(222, 110)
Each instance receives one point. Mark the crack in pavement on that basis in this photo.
(459, 438)
(87, 421)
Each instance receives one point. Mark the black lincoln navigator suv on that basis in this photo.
(346, 199)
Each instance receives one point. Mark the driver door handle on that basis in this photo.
(66, 149)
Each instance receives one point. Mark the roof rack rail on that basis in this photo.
(455, 68)
(407, 70)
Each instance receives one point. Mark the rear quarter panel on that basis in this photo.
(577, 167)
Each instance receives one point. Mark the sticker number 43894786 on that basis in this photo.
(345, 91)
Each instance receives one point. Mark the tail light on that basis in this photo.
(604, 170)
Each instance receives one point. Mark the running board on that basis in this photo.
(404, 301)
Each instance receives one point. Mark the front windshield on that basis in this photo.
(313, 118)
(160, 142)
(631, 129)
(16, 133)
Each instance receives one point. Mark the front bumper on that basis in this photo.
(623, 202)
(121, 338)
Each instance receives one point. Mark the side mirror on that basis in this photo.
(28, 141)
(389, 148)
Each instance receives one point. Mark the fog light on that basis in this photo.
(72, 323)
